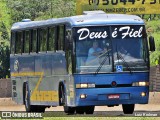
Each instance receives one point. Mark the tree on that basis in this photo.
(40, 9)
(4, 61)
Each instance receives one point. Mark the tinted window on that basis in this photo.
(34, 41)
(26, 42)
(61, 38)
(13, 36)
(51, 41)
(43, 39)
(19, 41)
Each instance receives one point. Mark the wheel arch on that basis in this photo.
(24, 88)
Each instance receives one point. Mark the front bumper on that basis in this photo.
(99, 96)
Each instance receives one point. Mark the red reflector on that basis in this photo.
(113, 96)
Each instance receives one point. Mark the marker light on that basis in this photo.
(140, 84)
(85, 85)
(143, 94)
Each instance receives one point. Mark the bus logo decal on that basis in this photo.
(16, 65)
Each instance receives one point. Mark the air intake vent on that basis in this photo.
(26, 20)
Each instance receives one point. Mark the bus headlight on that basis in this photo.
(85, 85)
(140, 84)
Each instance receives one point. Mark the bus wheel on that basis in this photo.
(31, 108)
(128, 108)
(80, 110)
(89, 109)
(40, 109)
(69, 110)
(62, 99)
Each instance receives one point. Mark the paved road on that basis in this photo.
(148, 107)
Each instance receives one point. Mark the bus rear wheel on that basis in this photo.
(37, 108)
(128, 108)
(28, 106)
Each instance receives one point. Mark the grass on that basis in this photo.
(102, 118)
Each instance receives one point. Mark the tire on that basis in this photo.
(128, 108)
(28, 107)
(89, 109)
(62, 99)
(69, 110)
(40, 109)
(80, 110)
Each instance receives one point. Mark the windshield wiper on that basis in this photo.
(121, 57)
(102, 63)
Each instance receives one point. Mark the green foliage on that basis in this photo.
(40, 9)
(4, 34)
(154, 57)
(153, 28)
(4, 15)
(5, 23)
(4, 61)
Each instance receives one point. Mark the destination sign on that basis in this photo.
(120, 6)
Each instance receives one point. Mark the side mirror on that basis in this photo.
(151, 43)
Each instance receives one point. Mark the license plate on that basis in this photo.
(113, 96)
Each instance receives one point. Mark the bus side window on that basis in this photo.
(61, 36)
(69, 61)
(19, 41)
(68, 49)
(51, 40)
(27, 41)
(13, 37)
(43, 39)
(34, 41)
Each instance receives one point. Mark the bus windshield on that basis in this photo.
(105, 49)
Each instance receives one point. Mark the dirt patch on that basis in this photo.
(7, 102)
(154, 98)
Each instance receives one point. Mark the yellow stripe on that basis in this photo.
(36, 94)
(27, 74)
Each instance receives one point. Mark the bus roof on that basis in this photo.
(90, 19)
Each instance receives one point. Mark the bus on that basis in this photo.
(79, 62)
